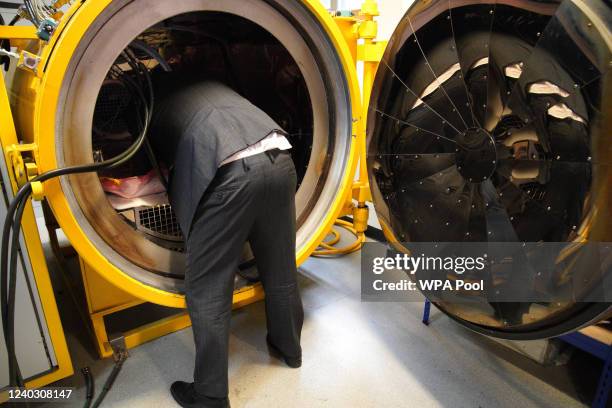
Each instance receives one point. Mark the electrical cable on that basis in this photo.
(110, 380)
(89, 387)
(6, 45)
(31, 12)
(13, 222)
(14, 371)
(151, 52)
(328, 248)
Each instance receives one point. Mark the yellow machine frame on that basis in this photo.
(8, 138)
(107, 289)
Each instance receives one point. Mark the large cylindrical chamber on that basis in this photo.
(287, 57)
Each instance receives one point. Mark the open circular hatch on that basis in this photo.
(284, 56)
(489, 122)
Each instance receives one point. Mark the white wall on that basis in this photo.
(8, 14)
(391, 12)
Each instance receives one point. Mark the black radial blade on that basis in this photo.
(514, 34)
(561, 77)
(436, 208)
(434, 39)
(499, 225)
(411, 168)
(463, 101)
(471, 27)
(428, 112)
(558, 188)
(397, 137)
(477, 227)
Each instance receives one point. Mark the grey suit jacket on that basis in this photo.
(195, 126)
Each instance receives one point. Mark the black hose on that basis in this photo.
(14, 371)
(151, 52)
(109, 382)
(6, 45)
(31, 13)
(9, 5)
(89, 387)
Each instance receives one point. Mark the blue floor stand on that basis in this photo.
(602, 351)
(585, 343)
(426, 311)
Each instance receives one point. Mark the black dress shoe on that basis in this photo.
(186, 396)
(293, 362)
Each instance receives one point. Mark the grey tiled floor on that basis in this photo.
(355, 355)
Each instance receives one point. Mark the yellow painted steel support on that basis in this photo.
(360, 33)
(103, 300)
(349, 32)
(8, 137)
(18, 33)
(370, 52)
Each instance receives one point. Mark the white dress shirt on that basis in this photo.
(273, 141)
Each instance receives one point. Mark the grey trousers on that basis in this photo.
(252, 199)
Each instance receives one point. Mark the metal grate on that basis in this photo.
(159, 221)
(111, 107)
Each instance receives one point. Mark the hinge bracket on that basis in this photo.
(22, 159)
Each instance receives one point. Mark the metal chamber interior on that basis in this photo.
(273, 53)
